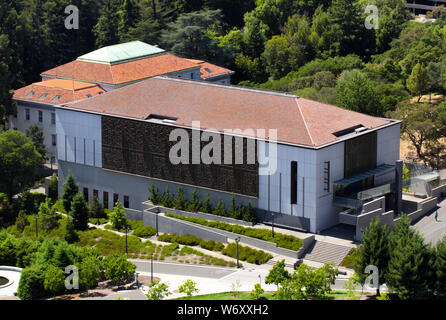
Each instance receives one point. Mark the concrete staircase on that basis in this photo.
(325, 252)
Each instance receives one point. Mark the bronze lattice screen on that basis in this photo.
(360, 154)
(143, 148)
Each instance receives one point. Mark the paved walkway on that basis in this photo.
(431, 229)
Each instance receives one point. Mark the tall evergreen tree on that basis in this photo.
(79, 212)
(7, 105)
(374, 251)
(128, 16)
(408, 262)
(440, 268)
(106, 30)
(37, 137)
(70, 189)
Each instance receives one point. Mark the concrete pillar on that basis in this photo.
(398, 186)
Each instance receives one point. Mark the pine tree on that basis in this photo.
(219, 210)
(70, 234)
(37, 137)
(207, 207)
(194, 203)
(118, 217)
(154, 196)
(249, 214)
(79, 212)
(97, 210)
(128, 16)
(106, 30)
(407, 267)
(7, 105)
(418, 81)
(179, 200)
(374, 251)
(166, 201)
(47, 215)
(53, 188)
(70, 189)
(440, 268)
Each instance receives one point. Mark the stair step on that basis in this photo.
(327, 252)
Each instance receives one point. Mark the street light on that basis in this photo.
(157, 213)
(237, 240)
(126, 227)
(272, 225)
(151, 268)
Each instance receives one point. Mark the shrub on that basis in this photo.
(144, 232)
(219, 210)
(178, 202)
(22, 221)
(194, 203)
(47, 215)
(54, 281)
(118, 217)
(70, 235)
(79, 212)
(118, 269)
(31, 284)
(154, 196)
(247, 254)
(70, 189)
(207, 207)
(53, 188)
(183, 239)
(189, 287)
(212, 245)
(166, 201)
(168, 250)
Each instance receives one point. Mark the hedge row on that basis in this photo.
(247, 254)
(282, 240)
(189, 240)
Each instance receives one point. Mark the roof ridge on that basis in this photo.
(229, 86)
(305, 122)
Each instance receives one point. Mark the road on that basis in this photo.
(433, 230)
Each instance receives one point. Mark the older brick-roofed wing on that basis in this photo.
(297, 120)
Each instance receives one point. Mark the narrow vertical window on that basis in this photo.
(53, 139)
(53, 118)
(27, 114)
(40, 116)
(95, 193)
(115, 198)
(105, 200)
(86, 194)
(126, 202)
(327, 176)
(293, 182)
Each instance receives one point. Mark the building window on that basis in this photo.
(53, 118)
(105, 200)
(192, 75)
(115, 198)
(27, 114)
(86, 194)
(53, 139)
(327, 176)
(95, 193)
(126, 202)
(40, 116)
(293, 182)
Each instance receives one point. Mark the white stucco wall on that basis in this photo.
(280, 201)
(388, 150)
(79, 137)
(20, 123)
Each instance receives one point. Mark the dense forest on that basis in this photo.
(319, 49)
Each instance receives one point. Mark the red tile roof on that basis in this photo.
(209, 70)
(297, 120)
(121, 73)
(66, 90)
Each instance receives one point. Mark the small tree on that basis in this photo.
(79, 212)
(194, 203)
(166, 201)
(89, 273)
(70, 189)
(22, 221)
(157, 291)
(53, 188)
(118, 269)
(207, 207)
(249, 214)
(350, 286)
(418, 81)
(54, 280)
(154, 195)
(189, 287)
(117, 217)
(97, 209)
(219, 210)
(374, 251)
(47, 215)
(257, 292)
(233, 209)
(179, 202)
(277, 274)
(70, 234)
(37, 137)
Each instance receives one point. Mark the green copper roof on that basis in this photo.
(121, 53)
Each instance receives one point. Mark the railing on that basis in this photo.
(347, 202)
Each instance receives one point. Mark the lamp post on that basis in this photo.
(126, 227)
(151, 268)
(157, 223)
(237, 240)
(272, 225)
